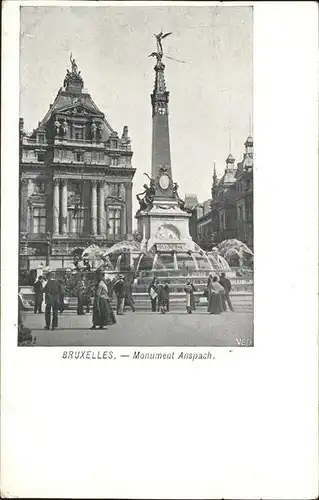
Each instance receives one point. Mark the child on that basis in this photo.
(162, 299)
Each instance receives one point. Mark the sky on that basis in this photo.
(211, 93)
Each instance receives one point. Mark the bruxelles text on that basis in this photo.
(193, 356)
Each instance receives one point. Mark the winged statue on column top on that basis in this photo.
(159, 54)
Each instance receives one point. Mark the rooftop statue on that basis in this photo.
(73, 76)
(67, 78)
(73, 65)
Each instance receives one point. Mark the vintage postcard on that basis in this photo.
(121, 242)
(159, 217)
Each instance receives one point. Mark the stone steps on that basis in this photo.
(241, 302)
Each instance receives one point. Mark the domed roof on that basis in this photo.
(249, 140)
(230, 159)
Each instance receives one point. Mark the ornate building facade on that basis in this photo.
(231, 210)
(204, 225)
(76, 180)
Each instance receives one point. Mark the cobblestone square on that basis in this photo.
(144, 328)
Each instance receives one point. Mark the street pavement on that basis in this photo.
(143, 328)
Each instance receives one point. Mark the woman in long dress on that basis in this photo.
(215, 298)
(190, 299)
(153, 293)
(102, 311)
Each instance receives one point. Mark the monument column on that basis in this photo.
(56, 206)
(106, 194)
(30, 187)
(161, 155)
(64, 206)
(129, 207)
(101, 209)
(123, 211)
(73, 223)
(94, 208)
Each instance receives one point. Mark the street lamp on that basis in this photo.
(24, 252)
(48, 244)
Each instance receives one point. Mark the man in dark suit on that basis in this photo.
(52, 292)
(227, 287)
(38, 291)
(166, 288)
(128, 293)
(119, 289)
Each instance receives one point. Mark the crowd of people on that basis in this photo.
(51, 291)
(217, 292)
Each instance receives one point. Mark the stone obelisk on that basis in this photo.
(161, 154)
(162, 222)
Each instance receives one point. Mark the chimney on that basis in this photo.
(125, 132)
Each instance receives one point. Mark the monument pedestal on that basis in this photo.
(165, 228)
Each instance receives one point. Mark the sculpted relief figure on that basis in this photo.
(67, 78)
(93, 130)
(65, 127)
(148, 194)
(148, 197)
(152, 183)
(168, 232)
(57, 126)
(99, 131)
(175, 192)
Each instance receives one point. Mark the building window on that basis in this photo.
(114, 227)
(41, 138)
(249, 208)
(115, 190)
(79, 156)
(76, 220)
(240, 213)
(78, 133)
(114, 161)
(39, 220)
(40, 157)
(114, 144)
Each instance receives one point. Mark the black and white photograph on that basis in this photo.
(136, 176)
(159, 193)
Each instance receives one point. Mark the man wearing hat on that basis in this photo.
(38, 291)
(227, 286)
(128, 282)
(52, 292)
(119, 289)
